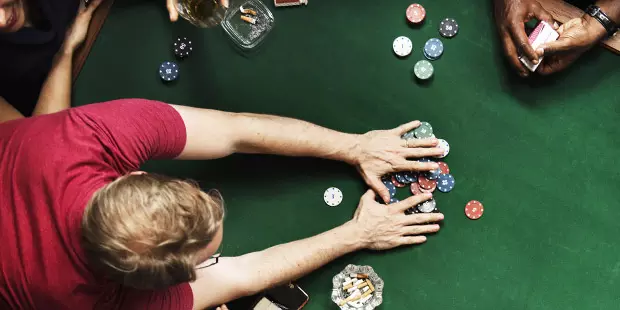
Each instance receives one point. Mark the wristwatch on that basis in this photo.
(602, 18)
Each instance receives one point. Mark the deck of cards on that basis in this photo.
(542, 34)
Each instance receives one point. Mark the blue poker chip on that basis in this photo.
(169, 71)
(411, 176)
(433, 174)
(391, 188)
(433, 49)
(400, 177)
(445, 183)
(393, 200)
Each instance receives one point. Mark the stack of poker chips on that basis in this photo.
(358, 290)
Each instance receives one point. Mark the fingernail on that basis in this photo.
(555, 25)
(441, 216)
(540, 51)
(434, 140)
(435, 166)
(535, 61)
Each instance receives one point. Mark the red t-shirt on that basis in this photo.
(50, 166)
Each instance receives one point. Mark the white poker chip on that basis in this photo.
(402, 46)
(443, 144)
(332, 196)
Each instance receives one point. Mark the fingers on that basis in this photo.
(376, 186)
(520, 39)
(403, 205)
(555, 47)
(541, 14)
(423, 152)
(172, 10)
(94, 4)
(430, 142)
(413, 165)
(513, 57)
(412, 240)
(421, 218)
(413, 230)
(404, 128)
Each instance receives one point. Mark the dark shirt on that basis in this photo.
(26, 55)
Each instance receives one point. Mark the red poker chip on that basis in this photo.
(444, 167)
(474, 209)
(396, 183)
(415, 188)
(430, 190)
(426, 183)
(415, 13)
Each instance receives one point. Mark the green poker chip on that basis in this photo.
(423, 70)
(425, 130)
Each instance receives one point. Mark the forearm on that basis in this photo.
(611, 8)
(293, 260)
(56, 92)
(284, 136)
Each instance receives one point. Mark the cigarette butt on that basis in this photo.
(358, 282)
(353, 297)
(362, 276)
(248, 19)
(372, 288)
(348, 286)
(362, 284)
(367, 293)
(366, 289)
(251, 12)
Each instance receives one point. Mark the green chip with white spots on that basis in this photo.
(423, 131)
(423, 70)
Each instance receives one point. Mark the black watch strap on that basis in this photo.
(599, 15)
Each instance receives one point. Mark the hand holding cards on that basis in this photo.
(543, 33)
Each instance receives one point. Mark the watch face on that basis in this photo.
(402, 46)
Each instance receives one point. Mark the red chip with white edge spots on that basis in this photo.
(415, 13)
(474, 209)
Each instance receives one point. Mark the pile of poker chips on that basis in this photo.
(433, 49)
(427, 182)
(169, 70)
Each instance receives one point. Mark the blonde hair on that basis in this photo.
(145, 231)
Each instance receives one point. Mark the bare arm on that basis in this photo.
(8, 112)
(56, 92)
(213, 134)
(374, 226)
(55, 95)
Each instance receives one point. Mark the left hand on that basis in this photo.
(576, 36)
(78, 30)
(384, 151)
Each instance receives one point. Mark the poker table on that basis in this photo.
(540, 153)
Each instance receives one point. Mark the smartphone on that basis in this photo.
(284, 297)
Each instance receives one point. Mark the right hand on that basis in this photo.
(510, 17)
(386, 226)
(79, 29)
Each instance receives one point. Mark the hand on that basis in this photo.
(171, 5)
(576, 36)
(510, 17)
(384, 151)
(386, 226)
(222, 307)
(78, 30)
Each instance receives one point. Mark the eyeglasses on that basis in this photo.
(210, 262)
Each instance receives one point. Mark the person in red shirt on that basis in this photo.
(81, 229)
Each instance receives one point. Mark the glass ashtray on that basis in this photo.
(244, 34)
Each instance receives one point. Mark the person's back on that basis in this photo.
(50, 166)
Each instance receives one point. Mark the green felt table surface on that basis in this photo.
(541, 154)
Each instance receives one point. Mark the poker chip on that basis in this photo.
(391, 188)
(410, 176)
(393, 200)
(169, 71)
(429, 190)
(474, 209)
(425, 130)
(433, 174)
(396, 183)
(445, 183)
(426, 183)
(443, 144)
(415, 189)
(427, 206)
(332, 196)
(401, 178)
(182, 47)
(415, 13)
(423, 70)
(402, 46)
(444, 167)
(448, 28)
(433, 49)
